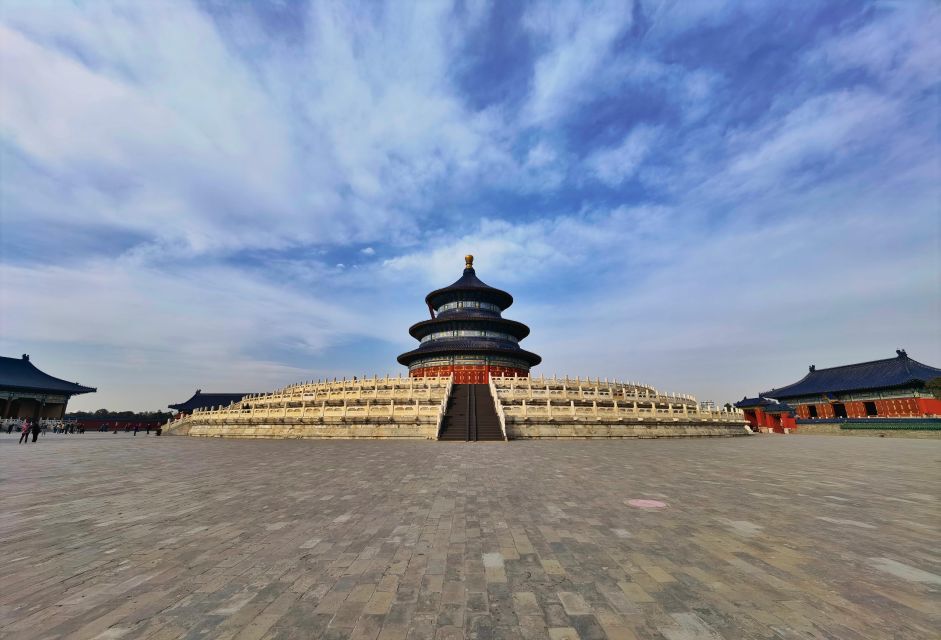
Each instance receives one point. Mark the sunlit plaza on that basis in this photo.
(114, 535)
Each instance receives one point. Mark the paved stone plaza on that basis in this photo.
(764, 537)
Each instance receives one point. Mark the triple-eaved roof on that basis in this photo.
(900, 371)
(19, 374)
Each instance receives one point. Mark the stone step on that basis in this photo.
(470, 415)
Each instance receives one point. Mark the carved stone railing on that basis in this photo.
(498, 406)
(443, 408)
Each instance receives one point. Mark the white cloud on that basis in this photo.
(167, 329)
(902, 49)
(575, 40)
(615, 165)
(826, 127)
(221, 175)
(150, 123)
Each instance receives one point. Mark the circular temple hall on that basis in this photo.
(468, 380)
(467, 335)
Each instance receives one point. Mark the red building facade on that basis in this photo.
(767, 416)
(891, 388)
(467, 335)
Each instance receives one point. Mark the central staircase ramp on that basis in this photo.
(471, 415)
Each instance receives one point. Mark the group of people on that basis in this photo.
(66, 428)
(29, 427)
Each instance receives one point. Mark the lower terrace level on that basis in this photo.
(771, 537)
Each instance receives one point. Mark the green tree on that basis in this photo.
(934, 386)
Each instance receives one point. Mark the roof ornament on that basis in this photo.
(26, 357)
(468, 262)
(813, 368)
(901, 353)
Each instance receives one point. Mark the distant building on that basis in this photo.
(202, 400)
(27, 392)
(708, 405)
(767, 415)
(894, 387)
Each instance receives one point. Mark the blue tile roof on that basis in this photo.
(458, 346)
(766, 405)
(19, 374)
(900, 371)
(202, 400)
(469, 282)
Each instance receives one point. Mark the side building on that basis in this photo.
(27, 392)
(893, 388)
(767, 415)
(201, 400)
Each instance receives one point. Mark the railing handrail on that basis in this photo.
(443, 407)
(498, 405)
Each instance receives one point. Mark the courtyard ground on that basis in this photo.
(109, 536)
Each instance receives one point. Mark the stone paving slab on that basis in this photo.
(110, 536)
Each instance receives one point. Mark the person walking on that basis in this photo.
(136, 427)
(24, 432)
(36, 429)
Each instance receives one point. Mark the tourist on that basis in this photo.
(35, 429)
(147, 430)
(24, 431)
(136, 426)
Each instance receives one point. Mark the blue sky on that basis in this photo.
(703, 196)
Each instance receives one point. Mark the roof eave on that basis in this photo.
(522, 331)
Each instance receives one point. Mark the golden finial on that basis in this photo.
(468, 261)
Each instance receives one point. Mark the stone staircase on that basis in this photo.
(471, 415)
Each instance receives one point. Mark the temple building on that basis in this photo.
(894, 387)
(467, 336)
(201, 400)
(27, 392)
(767, 415)
(468, 380)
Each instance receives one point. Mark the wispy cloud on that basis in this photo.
(701, 195)
(615, 165)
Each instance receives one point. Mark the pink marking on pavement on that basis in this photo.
(647, 504)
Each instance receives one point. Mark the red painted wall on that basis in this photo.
(777, 422)
(892, 408)
(467, 374)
